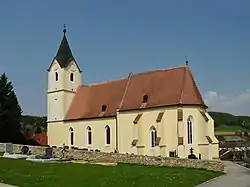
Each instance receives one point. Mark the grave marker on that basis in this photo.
(8, 148)
(48, 152)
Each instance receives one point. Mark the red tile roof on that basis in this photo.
(41, 139)
(163, 87)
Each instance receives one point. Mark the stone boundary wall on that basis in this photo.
(94, 156)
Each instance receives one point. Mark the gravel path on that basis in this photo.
(237, 176)
(6, 185)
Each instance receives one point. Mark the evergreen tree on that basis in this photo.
(10, 113)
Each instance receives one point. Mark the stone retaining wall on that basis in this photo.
(94, 156)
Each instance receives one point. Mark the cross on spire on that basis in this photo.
(64, 54)
(186, 60)
(64, 29)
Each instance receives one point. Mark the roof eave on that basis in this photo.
(66, 65)
(161, 106)
(88, 118)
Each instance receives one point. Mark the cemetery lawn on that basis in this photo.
(30, 174)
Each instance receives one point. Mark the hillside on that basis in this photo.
(230, 122)
(33, 124)
(223, 122)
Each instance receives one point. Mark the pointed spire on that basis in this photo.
(64, 54)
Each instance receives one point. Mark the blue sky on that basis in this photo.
(111, 38)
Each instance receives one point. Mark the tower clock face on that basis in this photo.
(56, 66)
(73, 68)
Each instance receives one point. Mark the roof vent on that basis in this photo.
(145, 99)
(104, 108)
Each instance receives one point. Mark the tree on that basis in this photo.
(33, 124)
(10, 112)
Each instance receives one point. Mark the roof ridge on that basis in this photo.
(183, 84)
(125, 91)
(159, 70)
(197, 92)
(196, 87)
(105, 82)
(140, 73)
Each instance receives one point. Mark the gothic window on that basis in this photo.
(71, 134)
(153, 135)
(107, 131)
(89, 135)
(190, 130)
(72, 77)
(56, 75)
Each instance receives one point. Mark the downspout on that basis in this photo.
(178, 130)
(177, 134)
(116, 133)
(117, 111)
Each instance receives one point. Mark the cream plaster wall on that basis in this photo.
(168, 129)
(61, 92)
(54, 133)
(59, 134)
(72, 68)
(198, 124)
(64, 77)
(54, 85)
(215, 145)
(201, 129)
(204, 151)
(55, 106)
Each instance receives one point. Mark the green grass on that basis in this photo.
(230, 128)
(30, 174)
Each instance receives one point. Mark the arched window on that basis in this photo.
(56, 75)
(190, 130)
(71, 135)
(153, 134)
(72, 77)
(107, 130)
(89, 135)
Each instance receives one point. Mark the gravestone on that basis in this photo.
(192, 156)
(199, 156)
(48, 152)
(8, 148)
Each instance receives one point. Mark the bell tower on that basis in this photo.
(64, 76)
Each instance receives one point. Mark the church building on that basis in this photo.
(160, 112)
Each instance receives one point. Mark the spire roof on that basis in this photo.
(64, 54)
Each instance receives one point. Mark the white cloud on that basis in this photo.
(235, 104)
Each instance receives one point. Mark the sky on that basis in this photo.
(112, 38)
